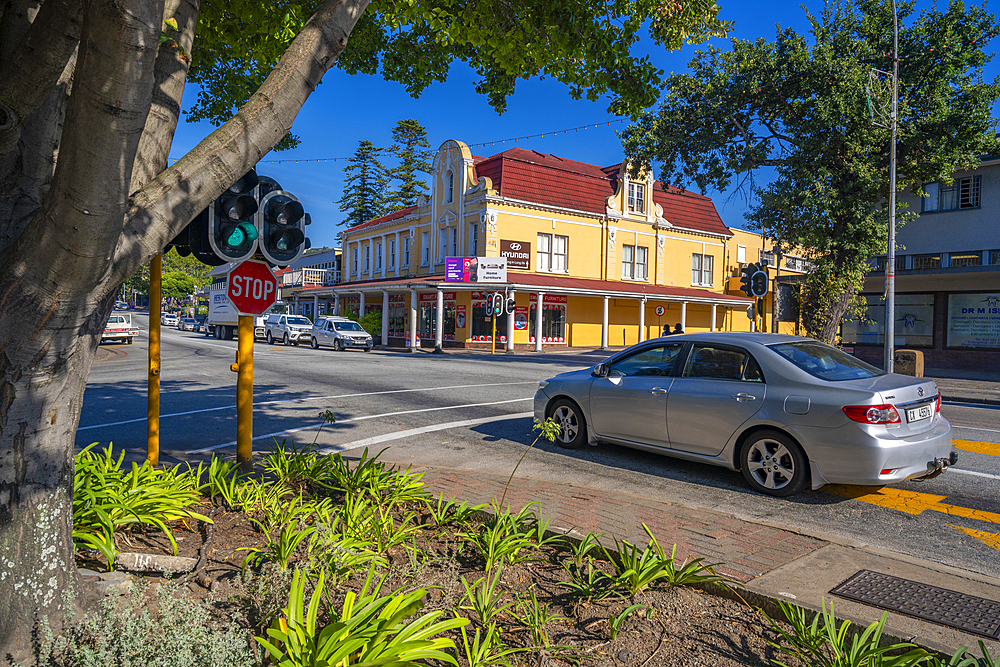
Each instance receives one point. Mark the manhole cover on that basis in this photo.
(968, 613)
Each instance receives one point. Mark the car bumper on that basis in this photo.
(541, 401)
(361, 344)
(855, 454)
(299, 335)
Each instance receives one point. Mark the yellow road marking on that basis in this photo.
(990, 448)
(989, 539)
(910, 502)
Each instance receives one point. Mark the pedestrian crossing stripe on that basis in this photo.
(910, 502)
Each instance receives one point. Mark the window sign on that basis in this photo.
(914, 324)
(974, 320)
(475, 270)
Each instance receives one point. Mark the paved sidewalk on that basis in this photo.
(774, 562)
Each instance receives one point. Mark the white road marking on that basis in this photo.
(386, 437)
(975, 428)
(362, 418)
(984, 406)
(309, 398)
(973, 472)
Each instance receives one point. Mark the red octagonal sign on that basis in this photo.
(252, 287)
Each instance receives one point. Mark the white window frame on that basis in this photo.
(406, 252)
(354, 260)
(390, 256)
(442, 245)
(741, 254)
(378, 256)
(964, 193)
(548, 259)
(632, 267)
(449, 187)
(636, 197)
(628, 261)
(702, 265)
(642, 262)
(453, 235)
(368, 257)
(425, 248)
(473, 239)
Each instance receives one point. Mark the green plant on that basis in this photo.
(369, 522)
(502, 539)
(108, 501)
(538, 529)
(276, 511)
(536, 617)
(369, 472)
(822, 643)
(486, 647)
(448, 511)
(588, 543)
(294, 465)
(615, 622)
(484, 600)
(278, 551)
(224, 479)
(961, 658)
(548, 430)
(590, 583)
(370, 630)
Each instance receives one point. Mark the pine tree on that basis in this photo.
(366, 186)
(410, 146)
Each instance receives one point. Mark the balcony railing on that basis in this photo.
(310, 278)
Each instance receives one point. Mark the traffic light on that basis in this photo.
(232, 233)
(510, 306)
(282, 223)
(759, 281)
(747, 272)
(496, 304)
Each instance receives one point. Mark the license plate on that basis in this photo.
(916, 414)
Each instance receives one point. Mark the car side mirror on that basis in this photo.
(600, 371)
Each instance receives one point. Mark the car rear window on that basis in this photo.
(826, 362)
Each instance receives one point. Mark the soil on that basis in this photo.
(676, 626)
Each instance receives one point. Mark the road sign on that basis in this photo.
(659, 311)
(252, 288)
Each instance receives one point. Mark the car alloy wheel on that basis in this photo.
(284, 339)
(314, 343)
(270, 338)
(572, 426)
(773, 464)
(338, 346)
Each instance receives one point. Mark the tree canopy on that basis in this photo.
(410, 147)
(366, 186)
(800, 105)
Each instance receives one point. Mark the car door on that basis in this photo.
(718, 389)
(630, 404)
(328, 333)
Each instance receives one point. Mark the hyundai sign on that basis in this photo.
(517, 253)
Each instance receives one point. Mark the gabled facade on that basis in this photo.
(599, 250)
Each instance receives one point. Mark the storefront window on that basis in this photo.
(914, 322)
(553, 319)
(427, 316)
(482, 322)
(974, 320)
(398, 313)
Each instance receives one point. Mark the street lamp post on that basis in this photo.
(890, 264)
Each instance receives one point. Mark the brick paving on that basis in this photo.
(744, 550)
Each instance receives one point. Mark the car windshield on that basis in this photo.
(300, 321)
(826, 362)
(348, 326)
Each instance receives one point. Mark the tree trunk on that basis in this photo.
(79, 235)
(828, 293)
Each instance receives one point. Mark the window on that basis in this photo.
(553, 253)
(634, 259)
(449, 187)
(925, 262)
(719, 363)
(652, 362)
(701, 269)
(636, 197)
(965, 259)
(454, 241)
(962, 193)
(994, 256)
(354, 261)
(914, 325)
(406, 251)
(473, 240)
(425, 248)
(391, 254)
(741, 254)
(825, 362)
(368, 257)
(442, 245)
(378, 256)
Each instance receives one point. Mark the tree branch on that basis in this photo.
(170, 201)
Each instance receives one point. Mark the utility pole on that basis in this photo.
(890, 263)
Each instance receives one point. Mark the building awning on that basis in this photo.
(536, 282)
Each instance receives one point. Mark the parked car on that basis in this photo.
(121, 305)
(187, 324)
(168, 319)
(119, 328)
(341, 334)
(788, 412)
(289, 329)
(200, 321)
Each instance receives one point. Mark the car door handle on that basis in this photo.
(657, 391)
(743, 396)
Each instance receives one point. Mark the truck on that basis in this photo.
(119, 327)
(223, 319)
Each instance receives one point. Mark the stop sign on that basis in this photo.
(252, 287)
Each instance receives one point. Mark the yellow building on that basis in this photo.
(611, 260)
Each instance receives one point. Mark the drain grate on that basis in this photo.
(968, 613)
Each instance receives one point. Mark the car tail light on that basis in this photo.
(872, 414)
(937, 405)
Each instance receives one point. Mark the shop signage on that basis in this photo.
(475, 269)
(521, 318)
(518, 254)
(548, 298)
(431, 297)
(974, 320)
(460, 316)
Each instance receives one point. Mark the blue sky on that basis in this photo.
(347, 109)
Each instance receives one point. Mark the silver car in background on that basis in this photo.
(789, 412)
(341, 334)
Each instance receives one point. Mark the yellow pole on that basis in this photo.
(153, 383)
(494, 350)
(244, 394)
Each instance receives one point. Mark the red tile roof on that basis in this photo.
(395, 215)
(547, 179)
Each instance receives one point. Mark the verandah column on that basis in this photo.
(439, 322)
(413, 320)
(642, 319)
(385, 318)
(604, 325)
(538, 321)
(714, 306)
(684, 316)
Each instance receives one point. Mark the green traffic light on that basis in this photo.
(241, 235)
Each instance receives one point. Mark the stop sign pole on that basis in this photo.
(252, 289)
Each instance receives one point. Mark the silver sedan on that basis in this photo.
(788, 412)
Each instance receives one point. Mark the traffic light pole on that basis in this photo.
(153, 378)
(244, 394)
